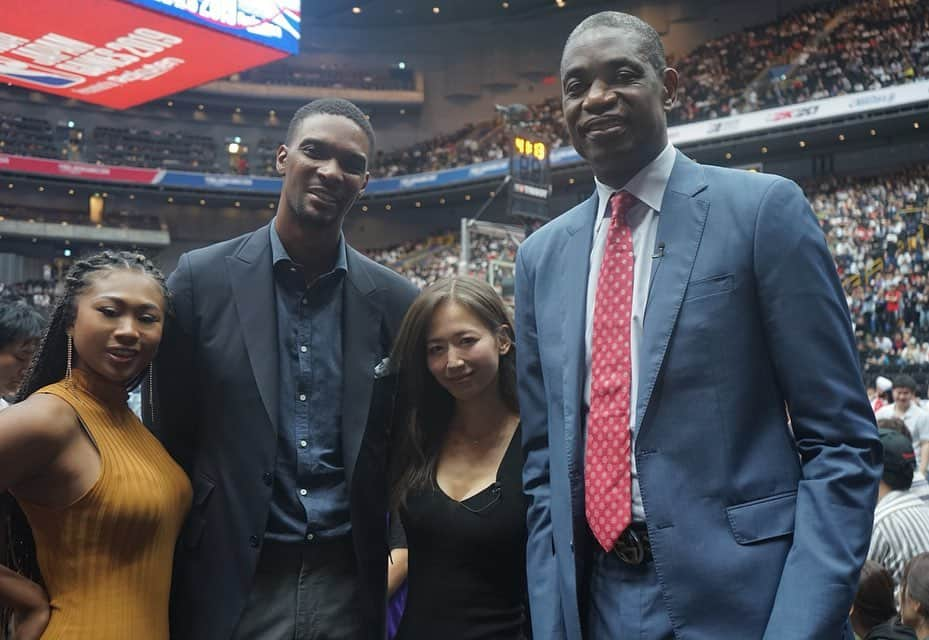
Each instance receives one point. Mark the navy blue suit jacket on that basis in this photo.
(758, 528)
(216, 379)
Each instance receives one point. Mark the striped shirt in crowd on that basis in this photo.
(901, 531)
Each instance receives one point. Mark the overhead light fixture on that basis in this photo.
(803, 144)
(873, 132)
(764, 149)
(356, 10)
(841, 137)
(435, 10)
(728, 156)
(916, 125)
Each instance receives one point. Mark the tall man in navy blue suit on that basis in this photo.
(669, 496)
(274, 399)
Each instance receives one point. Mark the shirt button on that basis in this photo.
(302, 397)
(303, 444)
(310, 537)
(267, 478)
(303, 348)
(253, 541)
(303, 492)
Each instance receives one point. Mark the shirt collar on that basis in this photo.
(649, 184)
(279, 253)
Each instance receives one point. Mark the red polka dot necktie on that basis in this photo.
(607, 472)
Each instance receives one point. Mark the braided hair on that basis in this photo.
(17, 546)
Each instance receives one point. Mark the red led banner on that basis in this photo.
(115, 54)
(78, 170)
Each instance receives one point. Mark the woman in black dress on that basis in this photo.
(457, 465)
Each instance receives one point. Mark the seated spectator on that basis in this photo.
(874, 613)
(914, 595)
(901, 519)
(915, 417)
(20, 328)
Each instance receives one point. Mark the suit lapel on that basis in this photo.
(361, 352)
(680, 229)
(575, 265)
(252, 283)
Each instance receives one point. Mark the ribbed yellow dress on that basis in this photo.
(106, 558)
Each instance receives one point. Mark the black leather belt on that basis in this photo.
(633, 546)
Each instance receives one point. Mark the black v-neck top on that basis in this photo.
(467, 566)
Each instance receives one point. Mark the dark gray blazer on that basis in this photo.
(216, 380)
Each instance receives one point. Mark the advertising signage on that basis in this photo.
(274, 23)
(114, 53)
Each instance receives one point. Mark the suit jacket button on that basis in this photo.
(253, 541)
(572, 546)
(267, 478)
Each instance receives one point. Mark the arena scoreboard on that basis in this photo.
(121, 53)
(530, 177)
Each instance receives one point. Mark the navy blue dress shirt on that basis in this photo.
(310, 497)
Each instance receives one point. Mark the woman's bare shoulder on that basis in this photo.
(32, 433)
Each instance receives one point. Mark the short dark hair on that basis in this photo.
(333, 107)
(650, 40)
(18, 320)
(898, 480)
(915, 583)
(904, 381)
(874, 601)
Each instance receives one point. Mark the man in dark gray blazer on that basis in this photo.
(272, 394)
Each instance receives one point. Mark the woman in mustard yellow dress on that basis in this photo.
(103, 501)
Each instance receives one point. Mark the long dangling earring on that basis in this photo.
(68, 365)
(151, 389)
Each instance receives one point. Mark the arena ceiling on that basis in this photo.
(387, 13)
